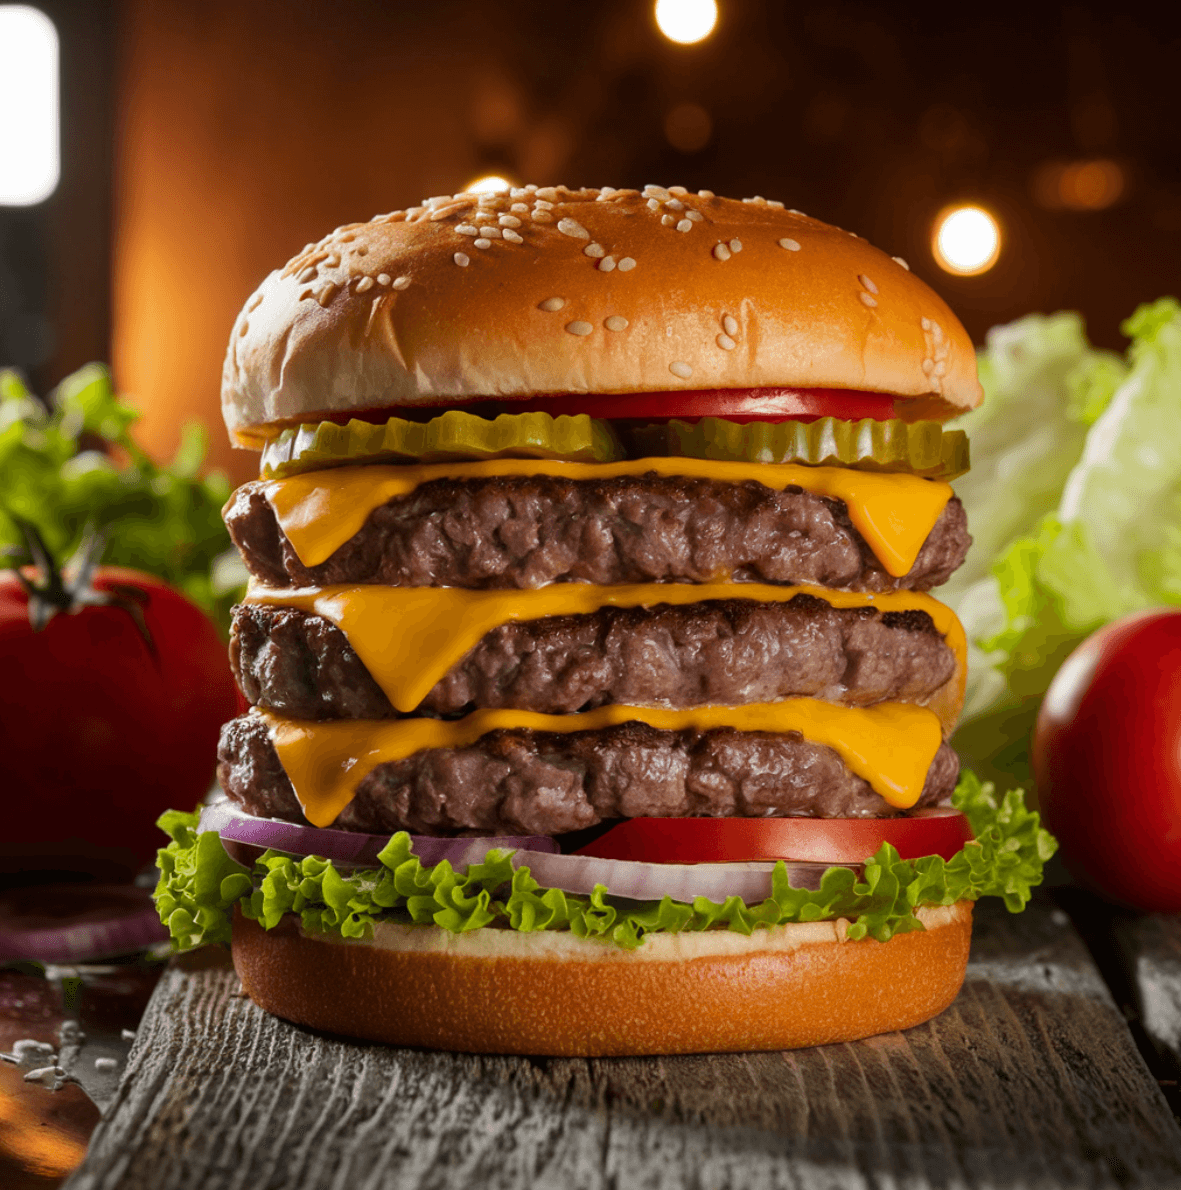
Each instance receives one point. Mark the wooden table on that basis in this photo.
(1055, 1067)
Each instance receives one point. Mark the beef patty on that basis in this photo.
(722, 652)
(549, 783)
(526, 531)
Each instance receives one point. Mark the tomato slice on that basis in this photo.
(735, 404)
(803, 840)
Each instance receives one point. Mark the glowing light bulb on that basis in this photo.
(686, 21)
(488, 184)
(30, 154)
(966, 240)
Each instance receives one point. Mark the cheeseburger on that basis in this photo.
(598, 701)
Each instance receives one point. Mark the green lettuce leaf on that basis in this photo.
(72, 463)
(1072, 536)
(200, 885)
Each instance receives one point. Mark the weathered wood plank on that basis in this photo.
(1031, 1078)
(1147, 953)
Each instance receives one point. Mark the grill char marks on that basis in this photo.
(526, 531)
(728, 652)
(524, 782)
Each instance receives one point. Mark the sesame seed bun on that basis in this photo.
(500, 991)
(554, 291)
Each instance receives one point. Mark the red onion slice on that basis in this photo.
(351, 847)
(77, 923)
(571, 873)
(650, 882)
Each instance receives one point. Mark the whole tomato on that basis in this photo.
(109, 714)
(1107, 760)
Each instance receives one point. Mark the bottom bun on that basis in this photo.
(503, 992)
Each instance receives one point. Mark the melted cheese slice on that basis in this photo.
(890, 745)
(410, 637)
(895, 514)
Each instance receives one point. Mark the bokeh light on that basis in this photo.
(966, 240)
(488, 184)
(686, 21)
(688, 127)
(30, 157)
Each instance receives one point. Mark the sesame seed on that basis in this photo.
(653, 204)
(255, 302)
(696, 216)
(466, 229)
(512, 236)
(531, 188)
(550, 305)
(482, 243)
(790, 245)
(542, 217)
(667, 220)
(401, 282)
(579, 328)
(549, 193)
(677, 190)
(364, 284)
(360, 250)
(735, 245)
(307, 293)
(434, 201)
(383, 278)
(869, 301)
(518, 192)
(332, 261)
(519, 206)
(867, 283)
(721, 252)
(705, 194)
(626, 264)
(595, 250)
(685, 225)
(928, 366)
(509, 221)
(568, 227)
(675, 204)
(462, 260)
(606, 191)
(793, 211)
(243, 327)
(309, 274)
(730, 324)
(326, 294)
(899, 260)
(490, 233)
(681, 369)
(726, 343)
(940, 367)
(543, 204)
(775, 204)
(615, 323)
(926, 324)
(651, 191)
(607, 263)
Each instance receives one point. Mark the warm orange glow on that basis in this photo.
(1079, 185)
(966, 240)
(686, 21)
(488, 184)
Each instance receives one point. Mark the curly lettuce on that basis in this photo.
(200, 885)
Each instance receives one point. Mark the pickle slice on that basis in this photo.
(919, 448)
(450, 437)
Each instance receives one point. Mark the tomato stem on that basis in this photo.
(53, 589)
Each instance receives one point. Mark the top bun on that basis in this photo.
(550, 291)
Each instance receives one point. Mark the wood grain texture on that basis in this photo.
(1149, 949)
(1029, 1079)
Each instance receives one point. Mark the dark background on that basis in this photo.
(203, 144)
